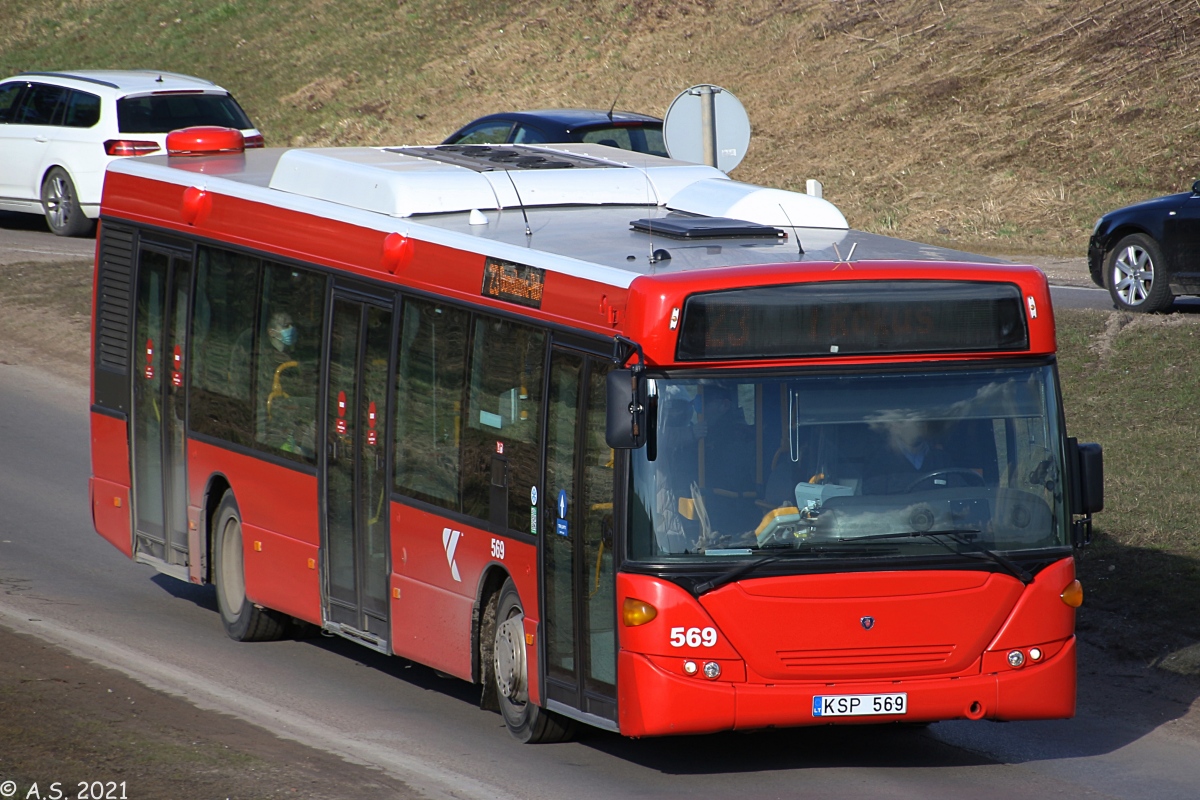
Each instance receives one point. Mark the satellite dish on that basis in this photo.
(707, 125)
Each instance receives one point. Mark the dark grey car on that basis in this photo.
(624, 129)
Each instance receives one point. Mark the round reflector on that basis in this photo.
(205, 140)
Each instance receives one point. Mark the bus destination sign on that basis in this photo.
(513, 283)
(853, 318)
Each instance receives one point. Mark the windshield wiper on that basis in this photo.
(957, 535)
(733, 574)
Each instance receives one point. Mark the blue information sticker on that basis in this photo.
(560, 527)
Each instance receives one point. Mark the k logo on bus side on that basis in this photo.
(450, 543)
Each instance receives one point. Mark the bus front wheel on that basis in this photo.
(243, 621)
(524, 720)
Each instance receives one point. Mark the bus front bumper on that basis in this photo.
(654, 702)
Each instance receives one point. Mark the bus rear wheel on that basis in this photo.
(524, 720)
(243, 620)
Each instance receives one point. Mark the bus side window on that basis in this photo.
(502, 430)
(431, 373)
(287, 361)
(221, 378)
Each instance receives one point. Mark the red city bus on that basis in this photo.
(619, 439)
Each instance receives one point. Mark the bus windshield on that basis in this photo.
(876, 465)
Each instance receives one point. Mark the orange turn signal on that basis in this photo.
(1073, 594)
(636, 612)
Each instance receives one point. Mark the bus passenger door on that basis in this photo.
(355, 466)
(158, 430)
(579, 616)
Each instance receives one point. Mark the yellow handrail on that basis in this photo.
(276, 386)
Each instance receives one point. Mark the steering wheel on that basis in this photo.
(969, 477)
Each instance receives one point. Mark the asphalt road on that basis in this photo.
(1135, 735)
(25, 238)
(60, 581)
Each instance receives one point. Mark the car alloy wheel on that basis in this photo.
(1135, 278)
(61, 205)
(1134, 274)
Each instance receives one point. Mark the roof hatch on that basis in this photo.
(680, 226)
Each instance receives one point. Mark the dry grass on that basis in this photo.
(1128, 384)
(45, 316)
(983, 123)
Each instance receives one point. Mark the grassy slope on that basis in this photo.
(984, 123)
(1130, 384)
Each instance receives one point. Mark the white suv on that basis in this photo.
(59, 130)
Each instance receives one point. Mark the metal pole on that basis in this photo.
(708, 125)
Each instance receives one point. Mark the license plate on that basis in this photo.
(859, 705)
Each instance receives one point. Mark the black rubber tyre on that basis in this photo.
(1134, 276)
(243, 620)
(524, 720)
(60, 204)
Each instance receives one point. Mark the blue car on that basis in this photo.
(624, 129)
(1148, 253)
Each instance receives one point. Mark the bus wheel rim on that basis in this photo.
(233, 587)
(511, 673)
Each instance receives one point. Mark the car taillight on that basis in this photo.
(129, 147)
(255, 140)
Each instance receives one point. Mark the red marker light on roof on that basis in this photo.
(397, 252)
(195, 205)
(255, 140)
(205, 140)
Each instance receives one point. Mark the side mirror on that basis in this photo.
(1089, 471)
(1086, 462)
(625, 428)
(1196, 187)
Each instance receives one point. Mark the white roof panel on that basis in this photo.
(759, 204)
(403, 182)
(383, 181)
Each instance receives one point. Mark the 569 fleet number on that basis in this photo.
(693, 637)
